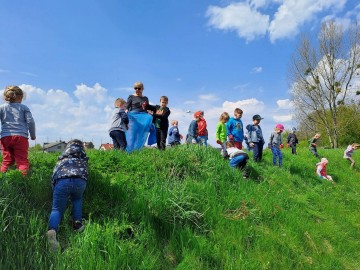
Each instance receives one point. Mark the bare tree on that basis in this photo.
(325, 77)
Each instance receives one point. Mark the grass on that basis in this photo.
(185, 208)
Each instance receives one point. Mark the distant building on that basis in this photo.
(106, 146)
(54, 147)
(88, 145)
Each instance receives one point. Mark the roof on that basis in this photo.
(49, 145)
(106, 146)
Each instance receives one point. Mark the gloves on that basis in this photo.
(281, 146)
(231, 137)
(219, 142)
(144, 105)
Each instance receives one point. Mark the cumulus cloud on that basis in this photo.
(256, 70)
(209, 97)
(285, 104)
(245, 20)
(251, 19)
(283, 118)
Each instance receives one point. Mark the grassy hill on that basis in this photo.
(185, 208)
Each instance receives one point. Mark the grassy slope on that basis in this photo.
(186, 209)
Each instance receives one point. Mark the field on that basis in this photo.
(185, 208)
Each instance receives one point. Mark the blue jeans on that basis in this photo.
(238, 161)
(65, 188)
(277, 154)
(202, 140)
(258, 151)
(119, 139)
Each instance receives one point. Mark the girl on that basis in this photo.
(221, 132)
(321, 170)
(16, 123)
(275, 144)
(349, 152)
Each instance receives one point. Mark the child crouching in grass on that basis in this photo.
(238, 158)
(321, 170)
(68, 181)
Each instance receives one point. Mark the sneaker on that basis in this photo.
(53, 243)
(78, 226)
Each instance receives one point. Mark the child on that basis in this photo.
(68, 180)
(191, 136)
(235, 130)
(238, 158)
(349, 152)
(161, 120)
(119, 125)
(202, 134)
(321, 170)
(255, 137)
(312, 146)
(221, 132)
(275, 144)
(292, 141)
(174, 134)
(16, 124)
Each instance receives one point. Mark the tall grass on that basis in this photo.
(185, 208)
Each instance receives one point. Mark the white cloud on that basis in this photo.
(285, 104)
(283, 118)
(256, 70)
(240, 17)
(209, 97)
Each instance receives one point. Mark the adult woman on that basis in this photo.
(137, 102)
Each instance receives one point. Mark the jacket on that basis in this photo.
(235, 128)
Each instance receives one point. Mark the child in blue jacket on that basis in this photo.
(235, 131)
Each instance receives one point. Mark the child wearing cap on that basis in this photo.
(349, 152)
(221, 132)
(202, 133)
(235, 130)
(275, 144)
(256, 138)
(312, 146)
(192, 131)
(321, 170)
(292, 141)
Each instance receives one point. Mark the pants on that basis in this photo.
(239, 161)
(277, 154)
(202, 140)
(258, 151)
(65, 188)
(223, 149)
(314, 152)
(119, 139)
(15, 150)
(293, 149)
(161, 136)
(238, 145)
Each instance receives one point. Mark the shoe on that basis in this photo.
(78, 226)
(54, 245)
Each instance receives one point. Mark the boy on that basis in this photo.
(238, 158)
(292, 141)
(275, 144)
(119, 125)
(235, 130)
(174, 134)
(160, 119)
(255, 137)
(202, 134)
(312, 146)
(192, 131)
(68, 181)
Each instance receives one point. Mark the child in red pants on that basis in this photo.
(16, 123)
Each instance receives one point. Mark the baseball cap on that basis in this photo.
(257, 117)
(280, 126)
(197, 114)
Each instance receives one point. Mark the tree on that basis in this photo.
(326, 77)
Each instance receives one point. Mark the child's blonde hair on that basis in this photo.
(139, 84)
(164, 98)
(12, 92)
(119, 102)
(174, 122)
(224, 117)
(355, 145)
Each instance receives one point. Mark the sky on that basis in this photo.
(74, 58)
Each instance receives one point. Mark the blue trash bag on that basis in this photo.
(152, 135)
(139, 128)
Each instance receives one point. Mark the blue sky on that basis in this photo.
(73, 58)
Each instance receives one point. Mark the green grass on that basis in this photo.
(185, 208)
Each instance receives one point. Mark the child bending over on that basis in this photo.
(238, 158)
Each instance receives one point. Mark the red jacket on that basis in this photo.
(202, 131)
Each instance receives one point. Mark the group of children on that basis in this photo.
(70, 173)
